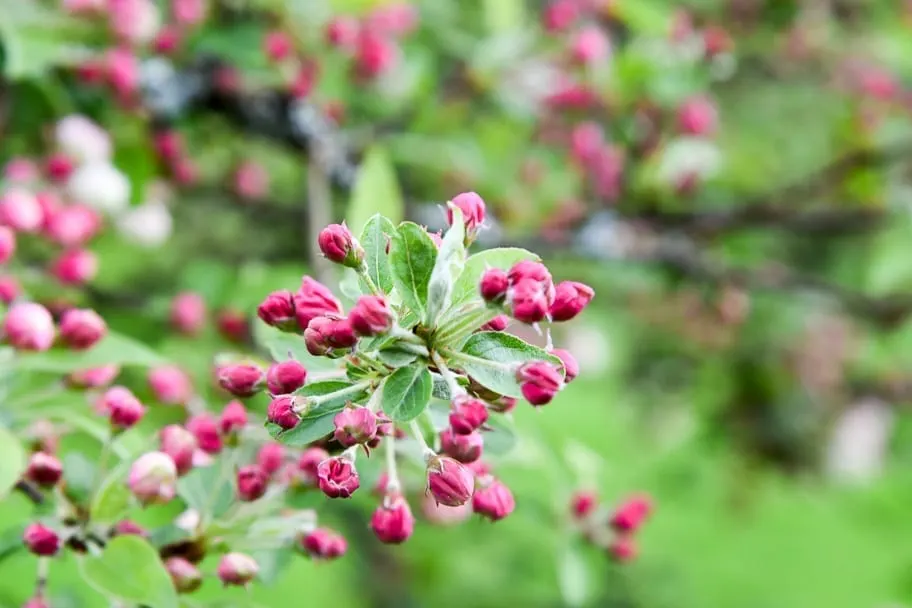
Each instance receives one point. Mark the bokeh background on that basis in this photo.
(743, 211)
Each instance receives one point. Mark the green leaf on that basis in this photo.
(503, 15)
(12, 461)
(412, 258)
(572, 576)
(491, 356)
(318, 422)
(130, 570)
(35, 39)
(466, 287)
(134, 156)
(208, 490)
(396, 357)
(450, 261)
(406, 392)
(112, 349)
(112, 499)
(375, 238)
(376, 191)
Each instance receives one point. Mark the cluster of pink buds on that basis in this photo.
(29, 326)
(526, 292)
(373, 42)
(611, 530)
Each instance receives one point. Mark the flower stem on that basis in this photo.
(419, 437)
(448, 376)
(365, 276)
(392, 473)
(316, 400)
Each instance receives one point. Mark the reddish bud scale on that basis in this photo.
(278, 46)
(324, 544)
(464, 448)
(623, 549)
(285, 377)
(527, 301)
(498, 323)
(252, 481)
(281, 412)
(232, 325)
(493, 500)
(450, 482)
(393, 522)
(41, 540)
(81, 329)
(125, 527)
(326, 334)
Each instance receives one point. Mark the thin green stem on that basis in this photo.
(316, 400)
(419, 437)
(448, 376)
(392, 473)
(374, 289)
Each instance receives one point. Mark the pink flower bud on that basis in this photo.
(29, 326)
(697, 116)
(281, 411)
(325, 334)
(73, 226)
(312, 300)
(393, 522)
(590, 46)
(123, 71)
(493, 286)
(324, 544)
(393, 19)
(586, 140)
(570, 298)
(170, 384)
(96, 377)
(631, 514)
(371, 316)
(498, 323)
(342, 32)
(467, 415)
(233, 418)
(571, 367)
(305, 79)
(493, 500)
(309, 463)
(560, 15)
(44, 469)
(41, 540)
(133, 21)
(58, 167)
(278, 46)
(285, 377)
(278, 310)
(9, 289)
(232, 325)
(251, 181)
(607, 172)
(450, 482)
(7, 244)
(583, 504)
(125, 527)
(437, 237)
(251, 482)
(529, 270)
(241, 379)
(81, 328)
(237, 569)
(473, 212)
(338, 477)
(188, 313)
(527, 301)
(21, 171)
(185, 576)
(167, 40)
(623, 549)
(189, 12)
(464, 448)
(270, 457)
(339, 245)
(180, 445)
(169, 145)
(153, 478)
(75, 267)
(355, 425)
(19, 209)
(205, 428)
(539, 381)
(374, 54)
(122, 407)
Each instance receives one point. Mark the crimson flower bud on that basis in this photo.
(75, 267)
(468, 414)
(278, 310)
(170, 385)
(237, 569)
(590, 46)
(473, 212)
(82, 328)
(583, 504)
(285, 377)
(493, 500)
(493, 286)
(153, 478)
(314, 299)
(251, 482)
(527, 301)
(232, 325)
(41, 540)
(188, 313)
(44, 469)
(122, 407)
(180, 444)
(233, 418)
(527, 269)
(270, 457)
(393, 522)
(450, 482)
(325, 334)
(371, 316)
(167, 40)
(29, 326)
(205, 428)
(338, 477)
(95, 377)
(73, 226)
(374, 54)
(277, 46)
(342, 32)
(559, 15)
(241, 379)
(185, 576)
(126, 527)
(9, 289)
(281, 411)
(309, 462)
(339, 245)
(570, 298)
(355, 425)
(697, 116)
(631, 514)
(464, 448)
(498, 323)
(539, 381)
(7, 244)
(623, 549)
(571, 366)
(325, 544)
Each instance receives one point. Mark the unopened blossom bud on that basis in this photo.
(122, 407)
(270, 457)
(188, 313)
(527, 269)
(180, 444)
(309, 463)
(170, 384)
(527, 301)
(9, 289)
(134, 21)
(96, 377)
(73, 226)
(7, 244)
(29, 326)
(570, 298)
(285, 377)
(44, 469)
(339, 245)
(326, 334)
(123, 71)
(278, 46)
(324, 544)
(473, 212)
(126, 527)
(539, 381)
(251, 181)
(251, 482)
(355, 425)
(586, 139)
(498, 323)
(205, 428)
(371, 316)
(393, 522)
(631, 514)
(560, 15)
(41, 540)
(189, 12)
(375, 54)
(21, 171)
(493, 286)
(571, 366)
(464, 448)
(153, 478)
(237, 569)
(278, 310)
(82, 328)
(19, 209)
(232, 325)
(697, 116)
(185, 576)
(233, 418)
(623, 549)
(58, 166)
(590, 46)
(583, 504)
(493, 500)
(281, 411)
(450, 482)
(338, 477)
(342, 32)
(167, 40)
(75, 267)
(467, 414)
(241, 379)
(312, 300)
